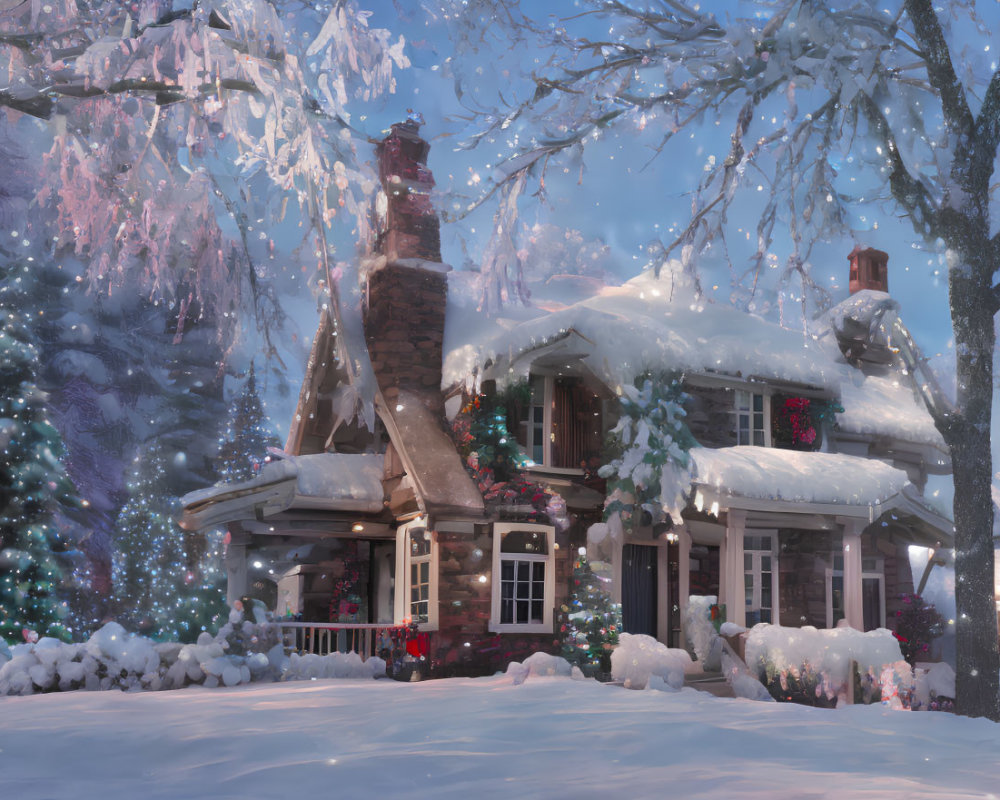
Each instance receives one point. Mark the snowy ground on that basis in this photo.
(546, 738)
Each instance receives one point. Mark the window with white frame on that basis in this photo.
(872, 592)
(760, 577)
(417, 575)
(523, 578)
(753, 420)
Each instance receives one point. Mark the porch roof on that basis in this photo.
(334, 481)
(792, 482)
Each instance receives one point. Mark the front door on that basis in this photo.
(639, 581)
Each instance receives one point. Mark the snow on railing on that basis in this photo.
(323, 638)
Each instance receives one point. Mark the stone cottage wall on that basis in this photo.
(463, 643)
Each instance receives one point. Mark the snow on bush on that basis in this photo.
(808, 656)
(741, 681)
(241, 652)
(641, 662)
(698, 624)
(542, 664)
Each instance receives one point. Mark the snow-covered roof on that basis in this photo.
(336, 481)
(652, 324)
(658, 324)
(791, 476)
(886, 406)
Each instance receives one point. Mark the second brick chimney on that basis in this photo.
(869, 269)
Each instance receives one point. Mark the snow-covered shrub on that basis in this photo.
(542, 664)
(642, 662)
(241, 652)
(812, 666)
(933, 688)
(698, 625)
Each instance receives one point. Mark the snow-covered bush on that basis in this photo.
(698, 625)
(813, 666)
(542, 664)
(641, 662)
(243, 651)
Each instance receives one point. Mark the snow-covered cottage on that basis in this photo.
(797, 504)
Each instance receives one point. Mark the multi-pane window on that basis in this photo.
(420, 573)
(523, 577)
(872, 592)
(416, 575)
(759, 577)
(751, 418)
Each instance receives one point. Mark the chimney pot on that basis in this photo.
(869, 269)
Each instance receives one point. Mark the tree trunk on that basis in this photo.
(968, 436)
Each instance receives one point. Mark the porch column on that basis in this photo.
(853, 609)
(732, 568)
(683, 580)
(236, 566)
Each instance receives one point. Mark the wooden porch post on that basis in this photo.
(683, 579)
(853, 609)
(236, 566)
(732, 567)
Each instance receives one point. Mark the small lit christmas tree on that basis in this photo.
(33, 483)
(591, 622)
(248, 434)
(160, 594)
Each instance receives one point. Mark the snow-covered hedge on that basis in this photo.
(241, 652)
(816, 662)
(641, 662)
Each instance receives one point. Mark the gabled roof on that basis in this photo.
(652, 324)
(442, 485)
(658, 324)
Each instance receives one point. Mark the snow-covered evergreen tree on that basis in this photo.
(159, 591)
(33, 483)
(650, 471)
(248, 435)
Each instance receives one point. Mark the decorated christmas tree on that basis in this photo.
(591, 622)
(160, 591)
(33, 484)
(248, 434)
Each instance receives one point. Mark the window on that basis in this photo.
(753, 423)
(872, 592)
(760, 577)
(523, 578)
(417, 566)
(562, 426)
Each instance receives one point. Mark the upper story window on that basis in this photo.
(562, 425)
(753, 418)
(523, 578)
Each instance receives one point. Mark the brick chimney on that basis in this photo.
(869, 269)
(408, 291)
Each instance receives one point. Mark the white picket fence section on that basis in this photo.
(323, 638)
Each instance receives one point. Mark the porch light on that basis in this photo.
(357, 527)
(483, 579)
(582, 551)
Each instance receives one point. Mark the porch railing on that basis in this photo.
(323, 638)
